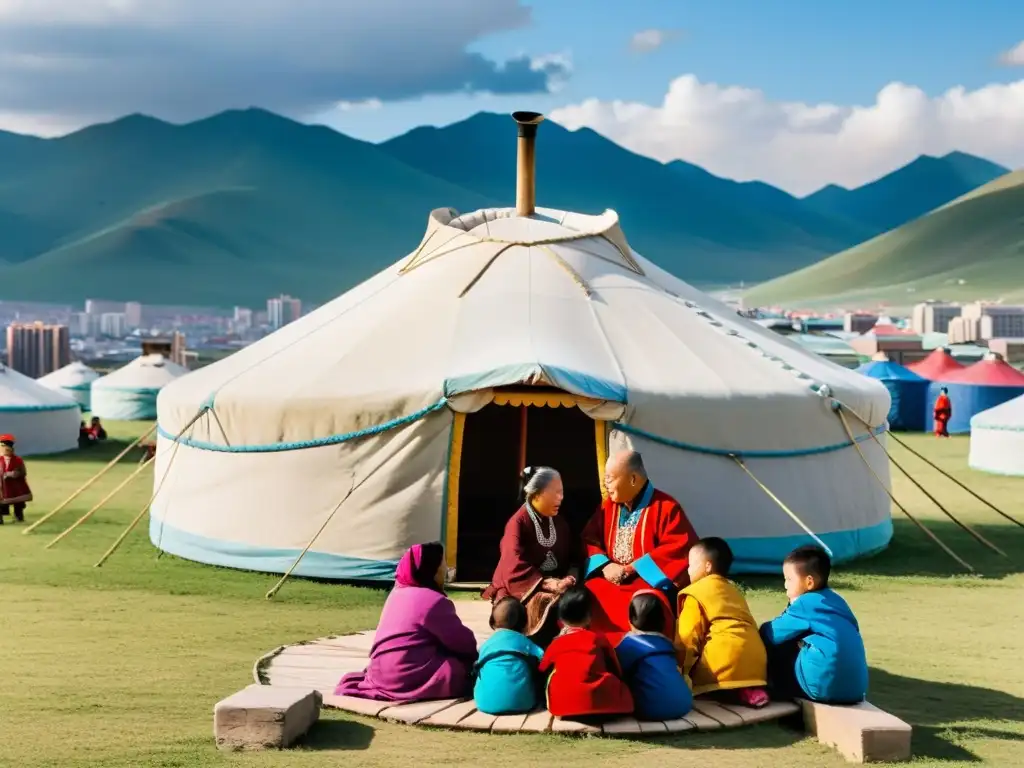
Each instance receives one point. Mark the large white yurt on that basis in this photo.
(997, 439)
(510, 337)
(42, 420)
(129, 393)
(74, 380)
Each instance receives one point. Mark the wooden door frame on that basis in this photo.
(519, 398)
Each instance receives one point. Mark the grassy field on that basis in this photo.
(121, 665)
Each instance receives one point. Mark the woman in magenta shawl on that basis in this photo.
(422, 650)
(537, 554)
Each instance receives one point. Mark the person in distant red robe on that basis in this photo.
(537, 554)
(14, 489)
(639, 539)
(585, 677)
(942, 413)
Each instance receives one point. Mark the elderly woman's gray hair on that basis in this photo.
(537, 479)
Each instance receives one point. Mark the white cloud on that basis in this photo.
(82, 60)
(1013, 57)
(741, 133)
(648, 40)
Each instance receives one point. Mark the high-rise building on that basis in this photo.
(283, 310)
(35, 349)
(113, 325)
(133, 315)
(102, 306)
(934, 316)
(242, 320)
(859, 322)
(982, 322)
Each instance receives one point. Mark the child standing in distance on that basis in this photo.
(506, 679)
(648, 661)
(815, 650)
(716, 635)
(14, 489)
(585, 677)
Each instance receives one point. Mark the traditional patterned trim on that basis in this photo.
(451, 544)
(601, 440)
(519, 397)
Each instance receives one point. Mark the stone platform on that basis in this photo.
(319, 664)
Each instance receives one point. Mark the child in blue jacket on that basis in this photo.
(506, 677)
(649, 663)
(815, 650)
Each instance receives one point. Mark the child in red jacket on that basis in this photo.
(586, 679)
(14, 490)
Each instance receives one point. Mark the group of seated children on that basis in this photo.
(813, 650)
(92, 434)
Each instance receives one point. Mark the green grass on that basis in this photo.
(121, 665)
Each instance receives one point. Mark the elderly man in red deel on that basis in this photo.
(639, 539)
(14, 490)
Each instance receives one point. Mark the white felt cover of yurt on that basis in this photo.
(41, 420)
(129, 393)
(997, 439)
(356, 400)
(74, 380)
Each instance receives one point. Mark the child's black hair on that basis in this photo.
(574, 607)
(813, 561)
(508, 613)
(718, 552)
(646, 613)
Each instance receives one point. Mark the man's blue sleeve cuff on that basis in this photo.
(594, 564)
(647, 570)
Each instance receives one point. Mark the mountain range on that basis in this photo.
(970, 248)
(247, 204)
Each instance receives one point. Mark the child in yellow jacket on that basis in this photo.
(717, 640)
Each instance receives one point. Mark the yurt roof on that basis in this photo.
(147, 372)
(886, 370)
(492, 299)
(992, 372)
(1008, 415)
(20, 393)
(937, 365)
(888, 330)
(72, 376)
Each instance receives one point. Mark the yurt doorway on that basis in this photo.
(518, 429)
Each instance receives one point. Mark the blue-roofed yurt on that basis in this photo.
(976, 388)
(907, 390)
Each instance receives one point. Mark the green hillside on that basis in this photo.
(247, 204)
(972, 248)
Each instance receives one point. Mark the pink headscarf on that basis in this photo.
(419, 565)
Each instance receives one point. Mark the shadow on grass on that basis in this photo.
(101, 453)
(938, 711)
(339, 734)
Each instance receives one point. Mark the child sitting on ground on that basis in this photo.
(506, 670)
(717, 640)
(648, 661)
(815, 650)
(585, 674)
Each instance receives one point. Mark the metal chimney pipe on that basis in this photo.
(526, 161)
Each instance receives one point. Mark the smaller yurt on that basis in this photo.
(129, 393)
(829, 347)
(74, 380)
(907, 390)
(939, 364)
(997, 439)
(41, 420)
(977, 388)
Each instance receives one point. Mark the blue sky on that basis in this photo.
(793, 50)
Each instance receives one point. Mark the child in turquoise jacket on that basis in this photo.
(815, 650)
(506, 678)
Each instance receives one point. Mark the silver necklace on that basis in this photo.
(552, 537)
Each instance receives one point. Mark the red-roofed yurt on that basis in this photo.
(937, 366)
(976, 388)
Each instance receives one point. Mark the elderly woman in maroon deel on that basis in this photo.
(538, 552)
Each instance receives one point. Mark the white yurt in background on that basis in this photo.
(74, 380)
(42, 420)
(129, 393)
(510, 337)
(997, 439)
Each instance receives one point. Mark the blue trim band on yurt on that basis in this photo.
(37, 408)
(574, 382)
(752, 555)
